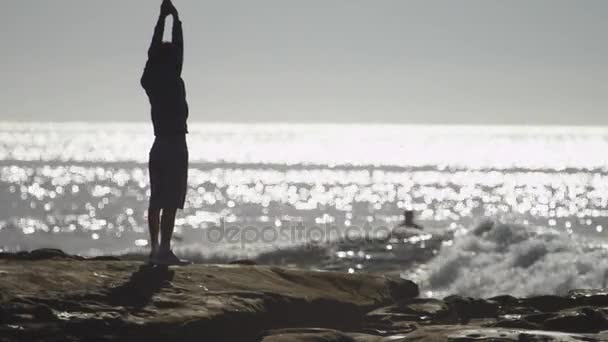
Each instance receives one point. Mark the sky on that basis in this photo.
(517, 62)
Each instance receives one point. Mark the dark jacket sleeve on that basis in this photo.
(157, 38)
(178, 40)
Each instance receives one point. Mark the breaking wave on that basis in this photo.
(497, 258)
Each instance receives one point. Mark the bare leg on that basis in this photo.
(165, 254)
(167, 226)
(154, 226)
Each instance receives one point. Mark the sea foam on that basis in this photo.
(497, 258)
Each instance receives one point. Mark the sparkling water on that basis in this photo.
(83, 187)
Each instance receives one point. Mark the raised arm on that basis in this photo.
(159, 30)
(157, 38)
(178, 39)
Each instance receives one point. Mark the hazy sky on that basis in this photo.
(423, 61)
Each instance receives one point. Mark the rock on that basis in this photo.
(243, 262)
(22, 310)
(516, 324)
(106, 258)
(469, 308)
(401, 289)
(519, 310)
(416, 310)
(509, 305)
(458, 333)
(427, 307)
(316, 335)
(584, 320)
(549, 303)
(505, 300)
(404, 316)
(47, 295)
(83, 300)
(580, 320)
(539, 318)
(587, 292)
(39, 254)
(383, 317)
(505, 335)
(306, 335)
(590, 297)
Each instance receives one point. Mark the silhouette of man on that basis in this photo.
(401, 231)
(168, 164)
(408, 221)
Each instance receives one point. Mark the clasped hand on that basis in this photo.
(167, 8)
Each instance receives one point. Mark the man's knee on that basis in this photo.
(169, 212)
(153, 212)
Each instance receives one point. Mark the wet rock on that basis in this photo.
(245, 262)
(539, 317)
(318, 335)
(587, 292)
(39, 254)
(506, 335)
(590, 297)
(23, 310)
(519, 310)
(516, 324)
(549, 303)
(360, 337)
(460, 333)
(418, 309)
(390, 314)
(584, 320)
(469, 308)
(83, 300)
(403, 317)
(401, 289)
(427, 307)
(49, 296)
(505, 300)
(106, 258)
(395, 328)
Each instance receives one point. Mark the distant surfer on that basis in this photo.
(168, 163)
(408, 221)
(403, 230)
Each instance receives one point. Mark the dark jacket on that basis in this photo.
(163, 82)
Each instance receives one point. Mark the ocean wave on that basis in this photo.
(497, 258)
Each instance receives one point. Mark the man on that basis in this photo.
(403, 231)
(409, 220)
(168, 165)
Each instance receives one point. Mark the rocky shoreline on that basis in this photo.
(46, 295)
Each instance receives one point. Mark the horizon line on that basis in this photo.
(304, 123)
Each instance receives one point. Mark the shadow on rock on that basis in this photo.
(138, 290)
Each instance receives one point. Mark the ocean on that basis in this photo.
(518, 210)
